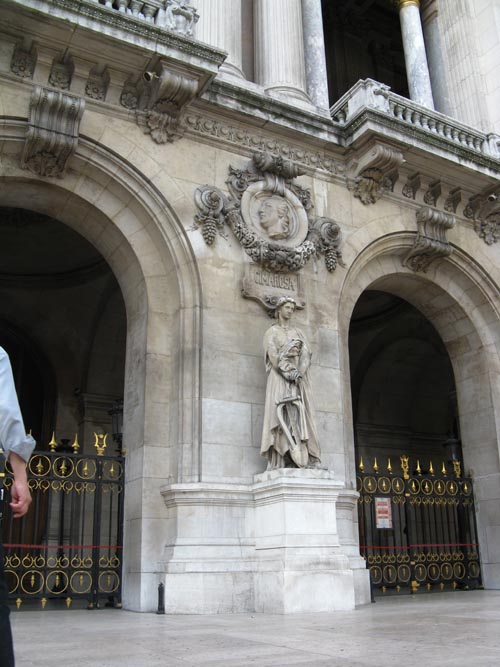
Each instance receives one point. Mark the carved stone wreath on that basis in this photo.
(270, 216)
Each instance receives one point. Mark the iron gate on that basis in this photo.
(417, 529)
(69, 545)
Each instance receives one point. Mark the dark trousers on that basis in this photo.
(6, 649)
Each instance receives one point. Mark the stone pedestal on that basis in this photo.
(300, 565)
(273, 546)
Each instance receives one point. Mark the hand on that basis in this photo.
(20, 496)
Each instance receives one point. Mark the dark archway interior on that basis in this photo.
(403, 387)
(63, 323)
(363, 40)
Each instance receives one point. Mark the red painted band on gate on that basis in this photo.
(62, 546)
(415, 546)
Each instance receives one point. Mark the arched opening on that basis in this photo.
(402, 382)
(458, 300)
(363, 40)
(63, 325)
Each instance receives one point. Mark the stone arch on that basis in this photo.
(461, 301)
(107, 200)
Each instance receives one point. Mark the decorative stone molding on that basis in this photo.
(269, 215)
(54, 121)
(62, 72)
(208, 126)
(375, 173)
(431, 242)
(23, 61)
(180, 17)
(97, 83)
(484, 210)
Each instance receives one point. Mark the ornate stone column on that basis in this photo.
(314, 47)
(417, 70)
(220, 25)
(279, 48)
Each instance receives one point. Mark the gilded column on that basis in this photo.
(314, 47)
(279, 48)
(417, 70)
(220, 25)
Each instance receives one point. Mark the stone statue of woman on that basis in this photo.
(289, 437)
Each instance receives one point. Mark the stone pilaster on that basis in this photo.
(279, 48)
(220, 25)
(417, 70)
(314, 51)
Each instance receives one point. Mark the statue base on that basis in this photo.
(300, 564)
(272, 546)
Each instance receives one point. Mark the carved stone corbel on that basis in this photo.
(54, 122)
(97, 83)
(431, 242)
(62, 71)
(375, 173)
(23, 61)
(484, 210)
(162, 102)
(432, 193)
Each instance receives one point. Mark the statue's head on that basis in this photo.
(282, 302)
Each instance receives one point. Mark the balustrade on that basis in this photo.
(152, 11)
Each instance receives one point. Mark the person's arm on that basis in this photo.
(20, 496)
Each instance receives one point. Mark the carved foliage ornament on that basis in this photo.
(269, 215)
(375, 173)
(484, 210)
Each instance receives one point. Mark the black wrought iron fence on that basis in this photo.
(417, 529)
(69, 545)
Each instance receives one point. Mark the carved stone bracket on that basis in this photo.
(159, 100)
(54, 121)
(431, 242)
(97, 83)
(62, 71)
(23, 61)
(432, 193)
(269, 215)
(484, 210)
(375, 173)
(412, 186)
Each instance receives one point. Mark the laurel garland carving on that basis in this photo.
(270, 178)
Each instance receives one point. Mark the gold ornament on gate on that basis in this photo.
(100, 443)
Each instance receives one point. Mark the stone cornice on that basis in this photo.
(133, 32)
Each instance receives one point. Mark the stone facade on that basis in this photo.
(395, 196)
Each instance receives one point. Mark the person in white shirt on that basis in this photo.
(17, 448)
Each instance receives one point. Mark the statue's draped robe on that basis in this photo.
(275, 445)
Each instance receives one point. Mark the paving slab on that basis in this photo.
(435, 630)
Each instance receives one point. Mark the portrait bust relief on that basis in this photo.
(275, 218)
(279, 218)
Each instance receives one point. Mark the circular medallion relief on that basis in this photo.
(278, 218)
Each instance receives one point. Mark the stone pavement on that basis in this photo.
(429, 630)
